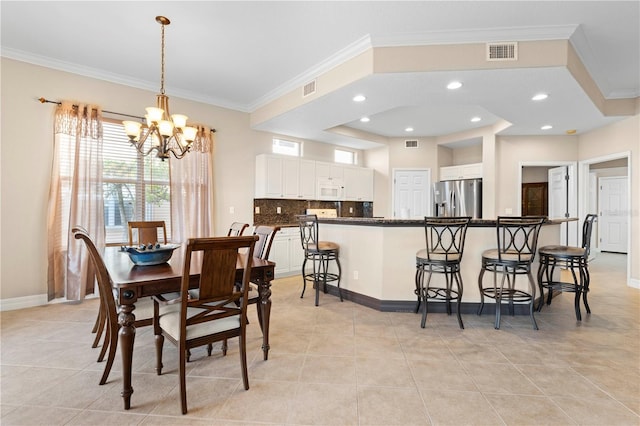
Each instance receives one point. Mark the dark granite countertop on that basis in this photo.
(385, 222)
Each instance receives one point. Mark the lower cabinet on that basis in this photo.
(286, 252)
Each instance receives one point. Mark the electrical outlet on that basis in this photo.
(257, 210)
(351, 210)
(355, 275)
(232, 210)
(279, 210)
(508, 210)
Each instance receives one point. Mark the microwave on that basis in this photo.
(330, 189)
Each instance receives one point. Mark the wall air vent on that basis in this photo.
(506, 51)
(411, 144)
(309, 88)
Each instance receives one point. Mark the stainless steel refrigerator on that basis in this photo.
(458, 198)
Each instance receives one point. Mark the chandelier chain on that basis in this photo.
(162, 64)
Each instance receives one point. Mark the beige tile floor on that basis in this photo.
(344, 364)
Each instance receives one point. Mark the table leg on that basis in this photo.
(127, 335)
(264, 287)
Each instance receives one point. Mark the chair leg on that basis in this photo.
(532, 287)
(159, 338)
(243, 360)
(224, 347)
(183, 381)
(418, 290)
(304, 278)
(316, 282)
(458, 279)
(425, 297)
(498, 298)
(481, 307)
(209, 349)
(577, 288)
(105, 342)
(447, 279)
(540, 276)
(339, 277)
(113, 345)
(99, 326)
(585, 285)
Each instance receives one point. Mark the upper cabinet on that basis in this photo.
(329, 171)
(282, 177)
(358, 184)
(464, 171)
(296, 178)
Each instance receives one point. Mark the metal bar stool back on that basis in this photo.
(573, 259)
(517, 238)
(320, 253)
(443, 253)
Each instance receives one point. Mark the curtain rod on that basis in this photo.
(47, 101)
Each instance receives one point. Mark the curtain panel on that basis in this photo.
(75, 199)
(191, 198)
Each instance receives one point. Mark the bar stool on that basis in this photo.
(442, 255)
(320, 253)
(567, 257)
(517, 238)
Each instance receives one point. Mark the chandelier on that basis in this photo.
(163, 132)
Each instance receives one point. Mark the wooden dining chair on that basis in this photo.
(109, 306)
(219, 310)
(265, 234)
(237, 229)
(147, 232)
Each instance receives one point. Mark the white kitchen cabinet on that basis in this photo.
(307, 180)
(358, 184)
(282, 177)
(286, 252)
(464, 171)
(329, 171)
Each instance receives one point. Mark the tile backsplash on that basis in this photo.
(289, 209)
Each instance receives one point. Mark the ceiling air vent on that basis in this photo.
(309, 88)
(507, 51)
(411, 144)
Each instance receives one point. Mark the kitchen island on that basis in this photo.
(378, 258)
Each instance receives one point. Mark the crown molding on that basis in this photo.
(98, 74)
(354, 49)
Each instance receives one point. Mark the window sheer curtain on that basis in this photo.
(75, 199)
(191, 183)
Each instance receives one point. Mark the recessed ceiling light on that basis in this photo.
(409, 129)
(540, 97)
(454, 85)
(359, 98)
(365, 119)
(546, 127)
(475, 119)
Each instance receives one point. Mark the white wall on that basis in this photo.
(511, 150)
(621, 137)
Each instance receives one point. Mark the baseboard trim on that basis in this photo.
(22, 302)
(410, 305)
(634, 283)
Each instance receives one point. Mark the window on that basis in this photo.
(346, 157)
(135, 187)
(281, 146)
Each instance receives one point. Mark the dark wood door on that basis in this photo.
(535, 199)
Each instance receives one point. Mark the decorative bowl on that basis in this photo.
(151, 254)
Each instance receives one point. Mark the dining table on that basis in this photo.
(131, 282)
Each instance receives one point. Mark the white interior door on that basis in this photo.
(559, 198)
(411, 194)
(613, 208)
